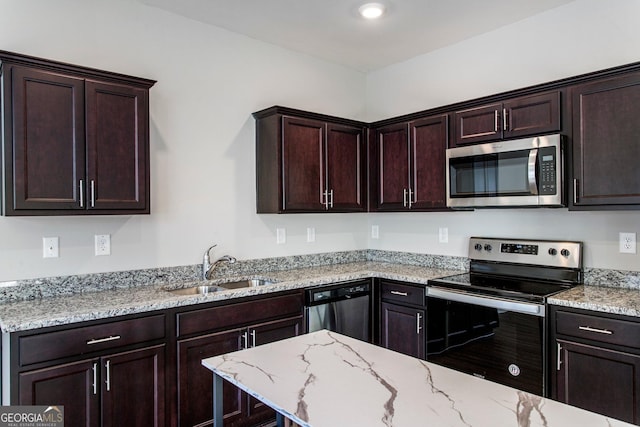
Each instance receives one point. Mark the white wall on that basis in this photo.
(202, 137)
(202, 133)
(580, 37)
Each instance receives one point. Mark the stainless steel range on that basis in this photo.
(491, 321)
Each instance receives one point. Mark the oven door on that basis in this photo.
(526, 172)
(499, 340)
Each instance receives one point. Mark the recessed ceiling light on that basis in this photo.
(371, 10)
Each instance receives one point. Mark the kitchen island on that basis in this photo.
(327, 379)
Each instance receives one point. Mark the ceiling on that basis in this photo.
(332, 29)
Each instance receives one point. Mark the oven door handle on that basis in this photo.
(500, 304)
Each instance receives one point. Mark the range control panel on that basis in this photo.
(552, 253)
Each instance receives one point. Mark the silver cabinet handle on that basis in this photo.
(325, 198)
(404, 198)
(253, 338)
(402, 294)
(100, 340)
(495, 124)
(331, 198)
(559, 359)
(504, 119)
(108, 380)
(418, 319)
(245, 340)
(575, 191)
(93, 193)
(596, 330)
(82, 193)
(410, 198)
(95, 378)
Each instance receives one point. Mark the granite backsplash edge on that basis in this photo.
(28, 289)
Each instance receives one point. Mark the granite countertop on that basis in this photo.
(327, 379)
(625, 301)
(79, 307)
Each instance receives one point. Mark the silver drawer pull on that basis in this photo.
(402, 294)
(600, 331)
(99, 340)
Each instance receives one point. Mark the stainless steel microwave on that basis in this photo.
(523, 172)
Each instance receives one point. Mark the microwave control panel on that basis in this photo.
(547, 174)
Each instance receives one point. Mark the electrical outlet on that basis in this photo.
(103, 244)
(281, 236)
(311, 234)
(627, 243)
(375, 232)
(443, 235)
(50, 247)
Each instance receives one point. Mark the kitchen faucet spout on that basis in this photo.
(208, 268)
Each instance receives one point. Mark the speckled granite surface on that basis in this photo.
(600, 298)
(608, 291)
(65, 309)
(30, 304)
(67, 285)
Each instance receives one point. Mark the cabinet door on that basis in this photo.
(479, 124)
(117, 147)
(303, 165)
(606, 147)
(428, 147)
(74, 386)
(265, 333)
(531, 115)
(393, 167)
(402, 329)
(195, 382)
(133, 388)
(599, 380)
(44, 161)
(346, 171)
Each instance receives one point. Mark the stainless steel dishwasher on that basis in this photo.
(343, 307)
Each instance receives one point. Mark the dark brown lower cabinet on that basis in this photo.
(121, 389)
(595, 362)
(599, 380)
(402, 329)
(195, 388)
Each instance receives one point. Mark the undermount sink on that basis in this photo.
(207, 289)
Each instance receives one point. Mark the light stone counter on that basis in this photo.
(78, 307)
(624, 301)
(325, 379)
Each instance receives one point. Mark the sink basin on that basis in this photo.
(245, 283)
(207, 289)
(196, 290)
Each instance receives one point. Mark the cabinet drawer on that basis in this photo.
(72, 342)
(240, 314)
(602, 329)
(391, 291)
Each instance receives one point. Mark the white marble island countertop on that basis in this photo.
(325, 379)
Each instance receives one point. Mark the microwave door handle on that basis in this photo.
(533, 160)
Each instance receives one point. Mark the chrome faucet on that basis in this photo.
(208, 268)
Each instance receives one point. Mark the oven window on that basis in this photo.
(501, 346)
(490, 175)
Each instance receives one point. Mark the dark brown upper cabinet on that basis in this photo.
(75, 141)
(309, 163)
(606, 144)
(410, 165)
(524, 116)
